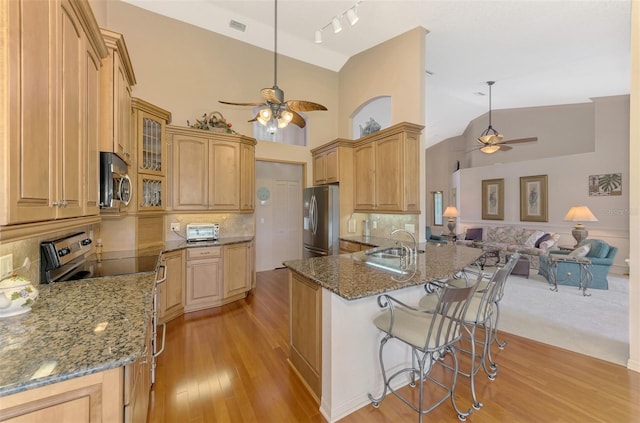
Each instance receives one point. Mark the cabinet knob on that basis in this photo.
(54, 204)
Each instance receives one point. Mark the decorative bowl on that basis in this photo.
(17, 295)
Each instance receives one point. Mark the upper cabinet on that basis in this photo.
(149, 124)
(387, 170)
(211, 170)
(333, 162)
(49, 119)
(116, 79)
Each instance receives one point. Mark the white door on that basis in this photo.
(278, 218)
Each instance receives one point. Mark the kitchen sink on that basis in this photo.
(393, 252)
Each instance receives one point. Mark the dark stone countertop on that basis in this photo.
(57, 340)
(350, 277)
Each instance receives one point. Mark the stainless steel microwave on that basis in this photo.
(116, 189)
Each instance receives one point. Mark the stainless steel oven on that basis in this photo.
(116, 189)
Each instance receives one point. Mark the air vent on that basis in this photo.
(237, 25)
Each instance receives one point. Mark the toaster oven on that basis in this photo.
(203, 232)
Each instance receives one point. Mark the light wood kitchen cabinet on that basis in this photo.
(51, 89)
(247, 177)
(305, 327)
(352, 247)
(137, 384)
(171, 291)
(333, 162)
(93, 398)
(387, 167)
(117, 78)
(211, 171)
(238, 270)
(149, 128)
(204, 278)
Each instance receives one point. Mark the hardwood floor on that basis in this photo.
(230, 365)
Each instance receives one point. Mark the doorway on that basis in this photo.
(278, 213)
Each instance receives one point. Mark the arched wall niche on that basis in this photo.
(377, 108)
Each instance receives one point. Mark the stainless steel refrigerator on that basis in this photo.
(321, 221)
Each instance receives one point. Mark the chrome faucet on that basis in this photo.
(415, 243)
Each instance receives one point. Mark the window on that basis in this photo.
(437, 208)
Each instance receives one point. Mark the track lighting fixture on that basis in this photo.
(336, 22)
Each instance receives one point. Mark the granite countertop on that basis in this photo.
(57, 340)
(179, 244)
(351, 278)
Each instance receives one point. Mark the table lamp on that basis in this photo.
(580, 214)
(451, 212)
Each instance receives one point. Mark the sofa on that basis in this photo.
(598, 251)
(530, 243)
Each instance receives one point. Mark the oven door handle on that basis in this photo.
(164, 274)
(164, 333)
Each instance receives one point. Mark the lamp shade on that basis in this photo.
(580, 214)
(451, 211)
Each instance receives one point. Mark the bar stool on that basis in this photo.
(431, 335)
(481, 313)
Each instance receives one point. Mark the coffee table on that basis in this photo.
(490, 257)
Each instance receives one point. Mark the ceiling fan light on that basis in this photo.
(352, 17)
(337, 26)
(490, 149)
(287, 116)
(282, 123)
(264, 115)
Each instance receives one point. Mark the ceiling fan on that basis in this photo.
(278, 113)
(491, 139)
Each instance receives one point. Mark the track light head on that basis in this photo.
(318, 38)
(335, 23)
(352, 17)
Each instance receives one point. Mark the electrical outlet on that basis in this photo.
(6, 266)
(175, 227)
(410, 227)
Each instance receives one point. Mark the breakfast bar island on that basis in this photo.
(333, 301)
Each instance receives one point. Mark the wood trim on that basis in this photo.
(145, 106)
(29, 230)
(115, 40)
(216, 136)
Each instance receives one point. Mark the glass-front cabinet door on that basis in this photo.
(151, 193)
(151, 151)
(150, 125)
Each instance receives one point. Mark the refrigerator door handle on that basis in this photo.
(313, 214)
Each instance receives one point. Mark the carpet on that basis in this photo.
(597, 325)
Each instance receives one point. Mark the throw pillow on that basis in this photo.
(542, 239)
(531, 241)
(546, 245)
(474, 234)
(580, 251)
(599, 248)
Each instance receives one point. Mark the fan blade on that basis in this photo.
(272, 95)
(304, 106)
(505, 147)
(297, 119)
(240, 104)
(520, 140)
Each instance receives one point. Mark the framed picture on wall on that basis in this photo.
(533, 199)
(493, 199)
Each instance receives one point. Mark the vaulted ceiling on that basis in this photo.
(539, 52)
